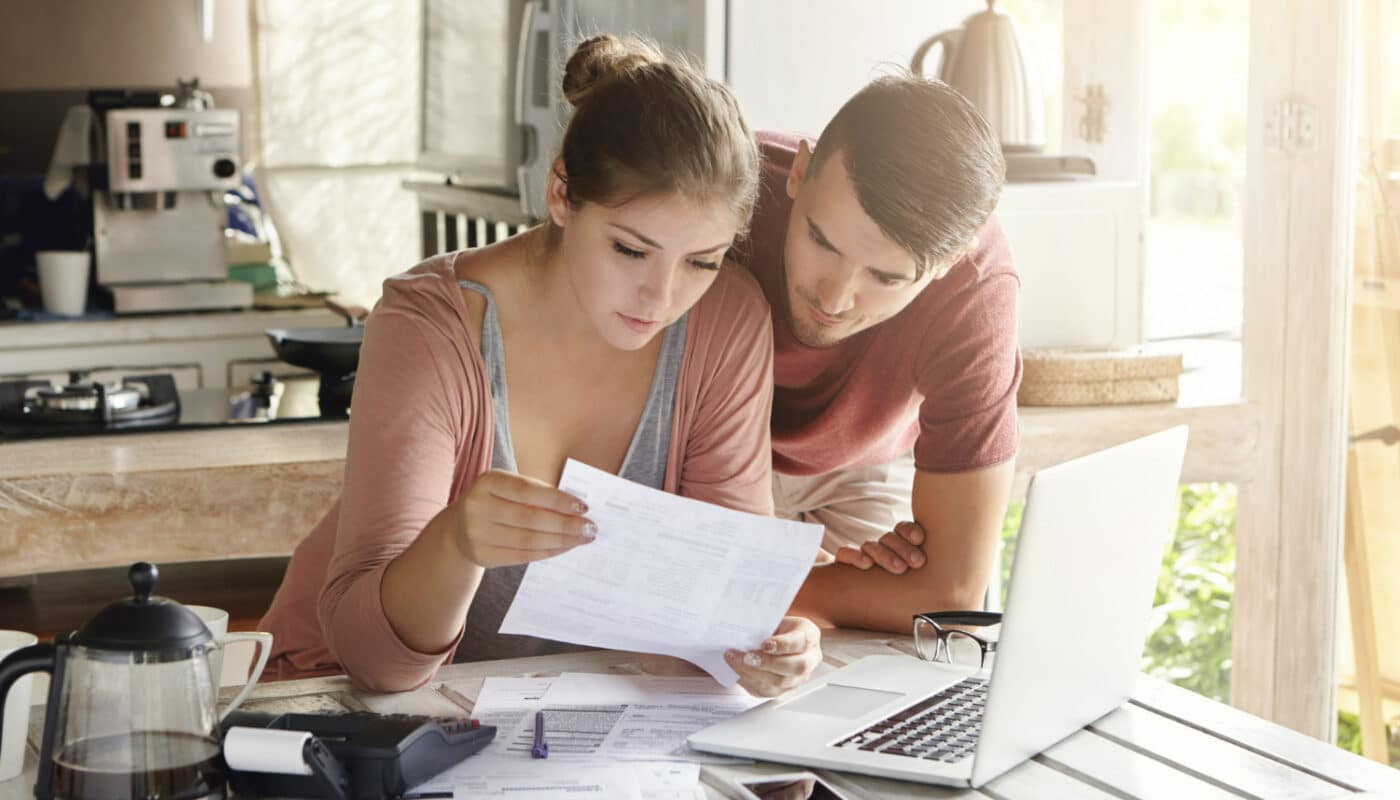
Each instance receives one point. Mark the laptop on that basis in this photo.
(1078, 609)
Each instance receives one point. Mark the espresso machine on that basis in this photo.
(160, 169)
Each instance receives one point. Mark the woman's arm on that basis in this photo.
(408, 422)
(502, 519)
(420, 515)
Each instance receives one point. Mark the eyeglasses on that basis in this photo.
(935, 641)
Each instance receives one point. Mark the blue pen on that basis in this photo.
(541, 747)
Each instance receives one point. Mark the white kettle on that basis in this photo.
(984, 61)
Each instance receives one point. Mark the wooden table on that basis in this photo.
(1166, 743)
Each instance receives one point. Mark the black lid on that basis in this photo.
(143, 622)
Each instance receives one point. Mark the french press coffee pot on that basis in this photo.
(132, 703)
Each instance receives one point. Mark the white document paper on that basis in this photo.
(508, 704)
(542, 780)
(667, 574)
(585, 688)
(603, 718)
(506, 692)
(537, 780)
(574, 732)
(578, 764)
(659, 713)
(662, 781)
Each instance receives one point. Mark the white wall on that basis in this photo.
(792, 63)
(338, 102)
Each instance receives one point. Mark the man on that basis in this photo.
(894, 312)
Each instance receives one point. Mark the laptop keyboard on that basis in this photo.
(943, 727)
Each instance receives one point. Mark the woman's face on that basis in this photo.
(637, 267)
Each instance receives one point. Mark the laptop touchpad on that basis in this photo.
(835, 700)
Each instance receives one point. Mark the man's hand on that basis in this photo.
(895, 552)
(784, 660)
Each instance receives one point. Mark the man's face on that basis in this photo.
(843, 273)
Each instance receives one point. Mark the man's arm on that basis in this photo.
(961, 515)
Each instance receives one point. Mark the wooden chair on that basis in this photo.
(1372, 545)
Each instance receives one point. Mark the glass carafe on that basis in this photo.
(132, 708)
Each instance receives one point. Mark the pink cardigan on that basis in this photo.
(421, 432)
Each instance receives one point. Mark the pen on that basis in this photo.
(541, 747)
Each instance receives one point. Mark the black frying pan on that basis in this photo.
(332, 352)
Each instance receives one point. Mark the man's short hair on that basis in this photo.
(926, 166)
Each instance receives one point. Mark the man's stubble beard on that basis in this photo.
(811, 334)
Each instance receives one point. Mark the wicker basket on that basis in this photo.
(1098, 377)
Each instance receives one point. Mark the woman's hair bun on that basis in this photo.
(603, 57)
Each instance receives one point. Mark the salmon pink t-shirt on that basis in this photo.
(940, 376)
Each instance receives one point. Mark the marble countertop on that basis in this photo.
(232, 446)
(245, 491)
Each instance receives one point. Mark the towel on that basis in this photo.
(72, 149)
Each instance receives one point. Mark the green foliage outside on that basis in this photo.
(1349, 736)
(1190, 640)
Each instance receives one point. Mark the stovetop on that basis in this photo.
(151, 403)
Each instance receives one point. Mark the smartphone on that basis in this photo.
(790, 786)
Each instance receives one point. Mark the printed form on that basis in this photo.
(667, 574)
(609, 736)
(600, 717)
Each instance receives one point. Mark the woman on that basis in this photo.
(610, 335)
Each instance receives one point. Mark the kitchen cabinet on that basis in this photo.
(1079, 251)
(203, 351)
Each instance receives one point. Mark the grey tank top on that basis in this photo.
(645, 463)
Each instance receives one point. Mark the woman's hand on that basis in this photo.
(784, 660)
(512, 519)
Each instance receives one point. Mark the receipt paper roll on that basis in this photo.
(267, 750)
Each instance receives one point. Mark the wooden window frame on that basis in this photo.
(1284, 441)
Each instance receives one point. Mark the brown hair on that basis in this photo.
(645, 125)
(926, 166)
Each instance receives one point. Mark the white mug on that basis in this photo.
(15, 732)
(63, 280)
(216, 620)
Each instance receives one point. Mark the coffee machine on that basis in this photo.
(160, 169)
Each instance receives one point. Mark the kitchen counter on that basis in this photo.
(234, 492)
(251, 445)
(256, 490)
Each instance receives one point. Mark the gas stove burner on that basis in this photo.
(139, 401)
(79, 396)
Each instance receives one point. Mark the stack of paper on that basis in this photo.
(563, 781)
(608, 735)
